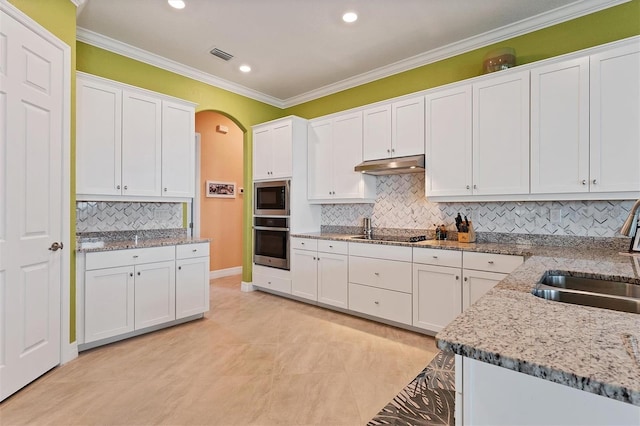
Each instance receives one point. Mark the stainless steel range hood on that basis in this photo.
(392, 166)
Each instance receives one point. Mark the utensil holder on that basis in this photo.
(467, 237)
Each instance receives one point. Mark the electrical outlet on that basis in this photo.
(555, 216)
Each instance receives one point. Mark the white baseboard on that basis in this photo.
(247, 287)
(219, 273)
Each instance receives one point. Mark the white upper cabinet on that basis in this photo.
(377, 132)
(335, 148)
(560, 127)
(501, 135)
(130, 141)
(272, 150)
(141, 144)
(615, 120)
(178, 149)
(448, 142)
(394, 130)
(99, 138)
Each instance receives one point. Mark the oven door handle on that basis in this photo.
(268, 228)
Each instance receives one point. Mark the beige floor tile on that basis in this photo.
(255, 359)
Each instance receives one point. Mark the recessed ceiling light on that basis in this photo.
(350, 17)
(177, 4)
(245, 68)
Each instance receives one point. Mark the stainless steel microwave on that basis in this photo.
(271, 198)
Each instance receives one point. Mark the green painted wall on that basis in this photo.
(244, 111)
(598, 28)
(59, 18)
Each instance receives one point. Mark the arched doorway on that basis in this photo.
(221, 162)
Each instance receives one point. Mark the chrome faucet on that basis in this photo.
(627, 226)
(366, 224)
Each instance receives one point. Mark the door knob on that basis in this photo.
(56, 246)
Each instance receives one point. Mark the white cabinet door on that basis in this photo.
(332, 279)
(501, 135)
(192, 286)
(437, 296)
(560, 127)
(108, 303)
(320, 160)
(262, 146)
(98, 138)
(155, 294)
(377, 133)
(347, 153)
(141, 144)
(615, 128)
(476, 283)
(407, 120)
(178, 150)
(448, 141)
(304, 274)
(281, 150)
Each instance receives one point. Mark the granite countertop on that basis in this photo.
(120, 240)
(587, 348)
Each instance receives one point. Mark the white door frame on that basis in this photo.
(195, 205)
(68, 349)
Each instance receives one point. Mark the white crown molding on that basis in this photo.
(543, 20)
(566, 13)
(115, 46)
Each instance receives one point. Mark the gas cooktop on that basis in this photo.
(394, 238)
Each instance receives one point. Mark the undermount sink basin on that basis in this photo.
(594, 292)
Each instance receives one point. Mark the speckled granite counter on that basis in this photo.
(578, 346)
(582, 347)
(120, 240)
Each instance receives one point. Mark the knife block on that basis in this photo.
(467, 237)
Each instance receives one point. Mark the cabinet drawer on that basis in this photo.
(304, 243)
(491, 262)
(437, 257)
(111, 259)
(282, 285)
(387, 304)
(387, 274)
(381, 251)
(188, 251)
(330, 246)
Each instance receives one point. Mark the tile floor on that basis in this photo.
(255, 359)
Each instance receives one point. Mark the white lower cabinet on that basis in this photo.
(192, 279)
(108, 303)
(129, 290)
(154, 294)
(482, 271)
(272, 279)
(379, 286)
(319, 271)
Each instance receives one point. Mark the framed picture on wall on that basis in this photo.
(221, 189)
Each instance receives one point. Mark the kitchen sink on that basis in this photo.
(586, 291)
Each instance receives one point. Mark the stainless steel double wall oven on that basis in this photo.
(271, 223)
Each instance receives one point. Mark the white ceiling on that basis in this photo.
(301, 49)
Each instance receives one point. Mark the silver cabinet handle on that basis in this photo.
(457, 277)
(584, 181)
(56, 246)
(490, 262)
(376, 302)
(314, 258)
(595, 181)
(118, 187)
(125, 187)
(165, 190)
(388, 151)
(135, 256)
(318, 259)
(468, 187)
(475, 186)
(138, 273)
(435, 257)
(330, 246)
(179, 268)
(377, 274)
(302, 243)
(131, 274)
(194, 250)
(268, 228)
(466, 279)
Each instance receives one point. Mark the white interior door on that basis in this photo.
(31, 108)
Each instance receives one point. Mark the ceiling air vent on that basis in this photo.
(221, 54)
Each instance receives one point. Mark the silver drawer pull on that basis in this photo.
(376, 302)
(435, 257)
(377, 274)
(490, 262)
(194, 250)
(330, 246)
(135, 256)
(302, 243)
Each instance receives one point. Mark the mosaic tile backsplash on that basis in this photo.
(102, 216)
(400, 203)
